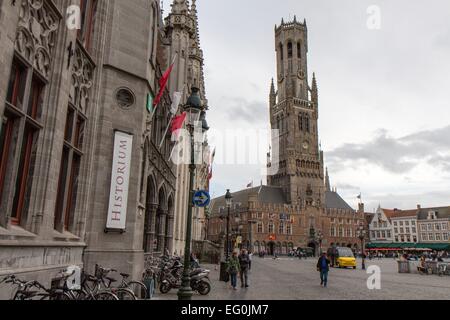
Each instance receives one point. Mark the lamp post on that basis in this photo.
(250, 234)
(193, 108)
(361, 233)
(229, 202)
(319, 239)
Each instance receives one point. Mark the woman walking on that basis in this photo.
(233, 269)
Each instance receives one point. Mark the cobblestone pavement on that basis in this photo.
(292, 279)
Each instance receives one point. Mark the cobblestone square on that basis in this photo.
(292, 279)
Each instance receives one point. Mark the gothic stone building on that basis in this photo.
(298, 204)
(65, 94)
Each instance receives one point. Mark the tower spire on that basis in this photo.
(327, 181)
(273, 95)
(194, 16)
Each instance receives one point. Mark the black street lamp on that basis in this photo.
(320, 239)
(229, 202)
(361, 234)
(193, 108)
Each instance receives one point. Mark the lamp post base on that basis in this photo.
(185, 293)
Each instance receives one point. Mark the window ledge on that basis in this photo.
(15, 232)
(65, 236)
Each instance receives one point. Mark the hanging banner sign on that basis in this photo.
(120, 180)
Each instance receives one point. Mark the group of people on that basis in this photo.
(239, 265)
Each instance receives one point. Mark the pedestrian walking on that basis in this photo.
(233, 268)
(323, 265)
(250, 256)
(244, 263)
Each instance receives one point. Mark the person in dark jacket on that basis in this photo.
(244, 262)
(323, 265)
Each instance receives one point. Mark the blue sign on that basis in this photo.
(201, 199)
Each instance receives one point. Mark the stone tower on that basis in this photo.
(294, 112)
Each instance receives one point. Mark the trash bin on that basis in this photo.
(403, 267)
(224, 276)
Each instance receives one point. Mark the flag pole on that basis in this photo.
(170, 122)
(167, 130)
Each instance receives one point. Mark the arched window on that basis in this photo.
(299, 50)
(281, 52)
(307, 124)
(289, 50)
(300, 122)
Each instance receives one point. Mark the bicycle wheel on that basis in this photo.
(124, 294)
(106, 295)
(139, 289)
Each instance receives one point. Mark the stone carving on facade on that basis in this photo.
(36, 33)
(82, 74)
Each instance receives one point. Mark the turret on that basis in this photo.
(273, 95)
(327, 181)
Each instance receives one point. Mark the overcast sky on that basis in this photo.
(384, 94)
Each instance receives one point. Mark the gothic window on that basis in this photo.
(299, 50)
(21, 125)
(289, 50)
(289, 229)
(70, 168)
(300, 122)
(260, 227)
(307, 124)
(73, 145)
(271, 227)
(281, 228)
(88, 13)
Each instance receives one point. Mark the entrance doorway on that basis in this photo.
(271, 248)
(312, 245)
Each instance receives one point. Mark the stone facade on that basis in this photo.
(68, 92)
(421, 225)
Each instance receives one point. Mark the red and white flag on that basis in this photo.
(177, 122)
(163, 82)
(211, 163)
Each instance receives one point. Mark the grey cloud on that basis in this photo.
(345, 186)
(241, 109)
(397, 155)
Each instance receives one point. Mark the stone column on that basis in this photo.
(149, 231)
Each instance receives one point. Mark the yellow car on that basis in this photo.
(345, 258)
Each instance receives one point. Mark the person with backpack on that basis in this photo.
(323, 265)
(233, 268)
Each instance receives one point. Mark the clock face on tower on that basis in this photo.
(305, 145)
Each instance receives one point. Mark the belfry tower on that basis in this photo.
(294, 111)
